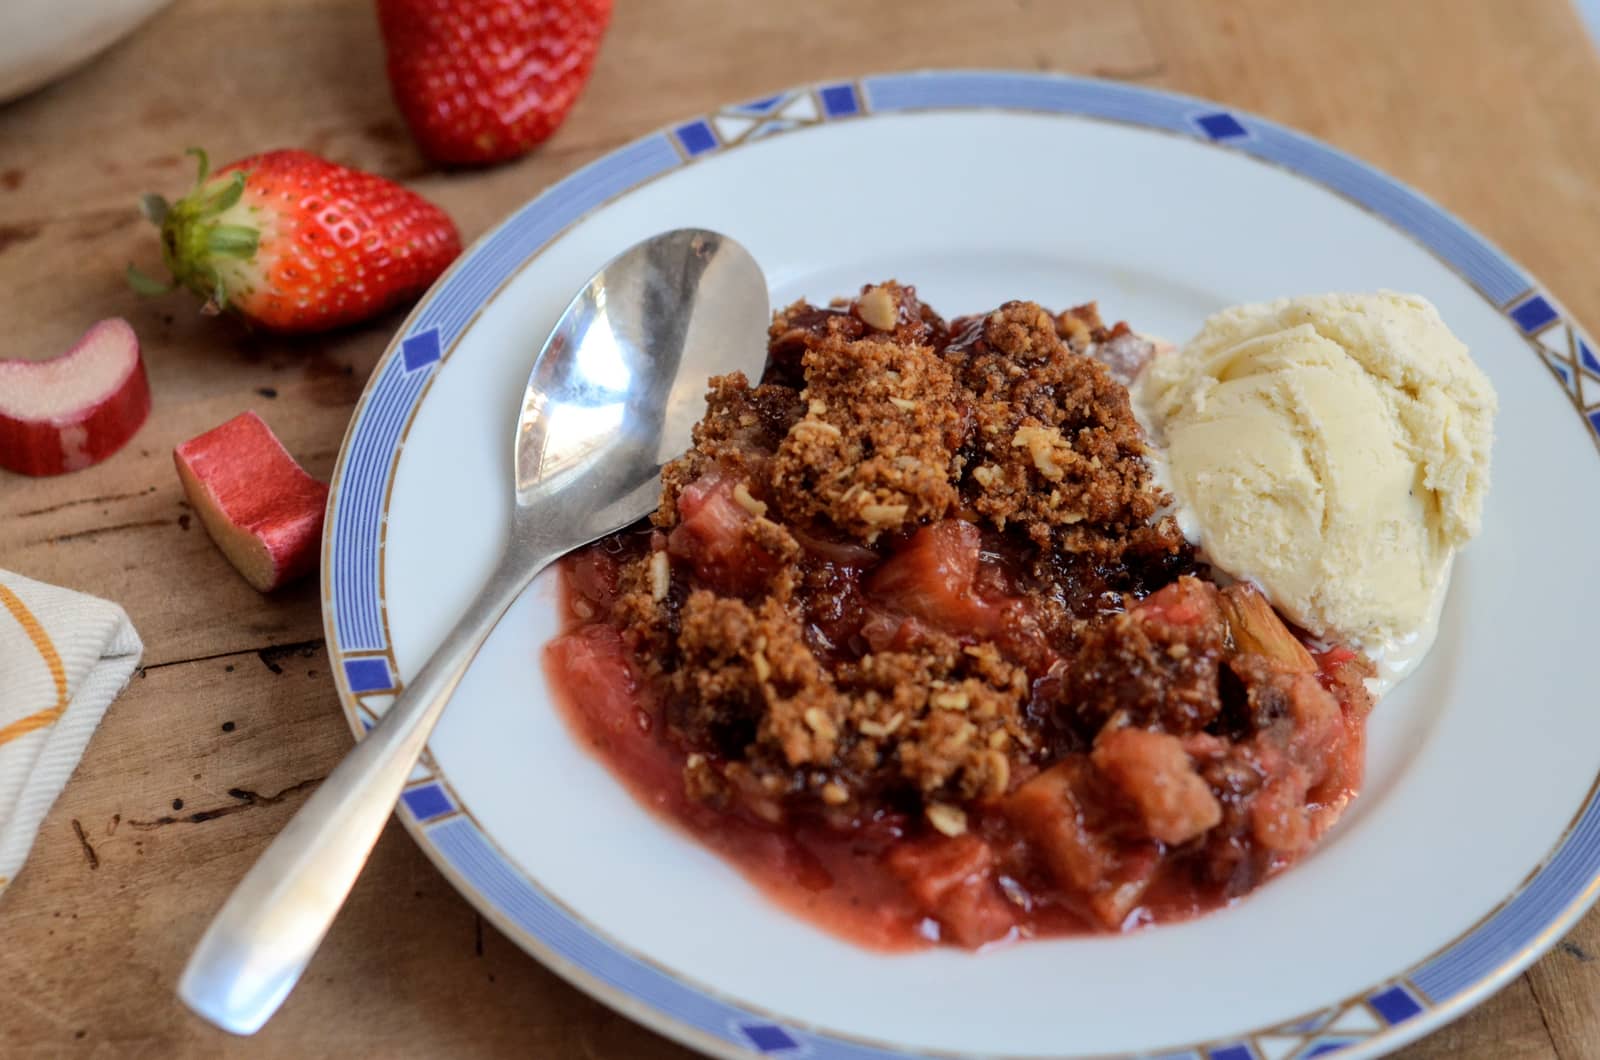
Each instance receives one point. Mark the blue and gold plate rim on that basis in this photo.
(1482, 959)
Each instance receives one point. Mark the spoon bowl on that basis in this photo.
(613, 396)
(622, 379)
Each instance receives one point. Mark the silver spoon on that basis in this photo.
(612, 398)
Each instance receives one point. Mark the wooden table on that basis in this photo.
(1490, 107)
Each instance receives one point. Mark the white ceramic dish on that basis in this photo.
(1477, 839)
(42, 39)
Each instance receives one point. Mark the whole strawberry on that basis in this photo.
(485, 80)
(297, 244)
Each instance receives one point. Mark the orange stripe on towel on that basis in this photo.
(47, 652)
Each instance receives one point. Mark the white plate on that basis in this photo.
(1477, 839)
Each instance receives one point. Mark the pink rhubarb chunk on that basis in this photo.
(74, 410)
(258, 505)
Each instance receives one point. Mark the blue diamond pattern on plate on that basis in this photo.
(696, 138)
(769, 1037)
(760, 106)
(839, 100)
(1221, 126)
(1588, 357)
(367, 675)
(427, 802)
(419, 351)
(1236, 1051)
(1395, 1004)
(1533, 314)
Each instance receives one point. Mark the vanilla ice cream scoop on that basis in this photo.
(1332, 449)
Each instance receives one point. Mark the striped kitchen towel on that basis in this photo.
(64, 656)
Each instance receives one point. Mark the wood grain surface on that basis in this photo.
(1489, 106)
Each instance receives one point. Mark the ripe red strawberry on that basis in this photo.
(485, 80)
(295, 243)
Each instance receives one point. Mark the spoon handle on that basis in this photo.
(261, 941)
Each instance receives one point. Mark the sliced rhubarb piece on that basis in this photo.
(74, 410)
(1187, 602)
(953, 881)
(1256, 628)
(932, 577)
(1054, 811)
(714, 534)
(1154, 772)
(261, 509)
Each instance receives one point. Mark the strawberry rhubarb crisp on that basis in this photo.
(912, 642)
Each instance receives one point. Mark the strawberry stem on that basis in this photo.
(199, 232)
(204, 167)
